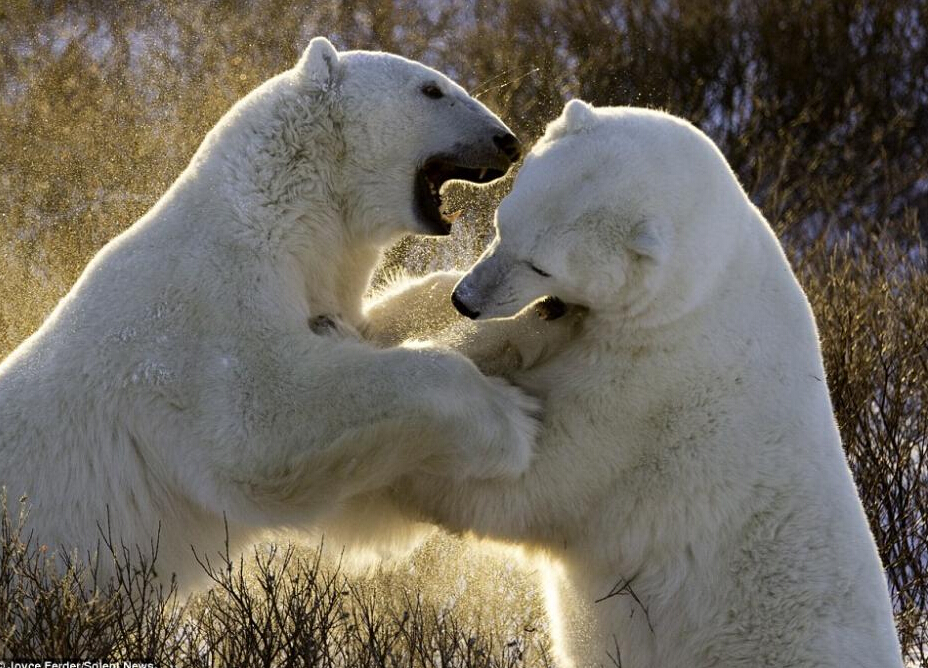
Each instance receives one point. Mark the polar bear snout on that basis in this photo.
(479, 162)
(509, 145)
(476, 294)
(462, 307)
(470, 295)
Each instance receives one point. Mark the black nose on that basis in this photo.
(509, 145)
(462, 308)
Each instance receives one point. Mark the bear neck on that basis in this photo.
(334, 275)
(285, 202)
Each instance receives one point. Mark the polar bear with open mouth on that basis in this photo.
(192, 373)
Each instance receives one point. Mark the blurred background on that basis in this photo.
(821, 107)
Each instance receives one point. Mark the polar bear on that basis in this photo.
(192, 374)
(689, 489)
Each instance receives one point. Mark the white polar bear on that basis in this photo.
(689, 485)
(191, 374)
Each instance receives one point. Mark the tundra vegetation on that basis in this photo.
(821, 108)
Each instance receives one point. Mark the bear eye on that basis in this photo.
(540, 272)
(432, 91)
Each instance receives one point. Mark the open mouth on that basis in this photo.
(550, 308)
(430, 178)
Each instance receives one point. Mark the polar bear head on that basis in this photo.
(371, 137)
(408, 130)
(621, 210)
(385, 134)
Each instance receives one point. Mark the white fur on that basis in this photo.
(689, 463)
(187, 377)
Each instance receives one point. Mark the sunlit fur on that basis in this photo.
(689, 464)
(179, 382)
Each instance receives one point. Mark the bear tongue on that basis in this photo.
(452, 217)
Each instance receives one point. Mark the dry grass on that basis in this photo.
(871, 301)
(277, 606)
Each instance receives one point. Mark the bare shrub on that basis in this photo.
(276, 607)
(870, 299)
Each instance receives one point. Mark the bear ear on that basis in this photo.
(317, 64)
(647, 241)
(579, 115)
